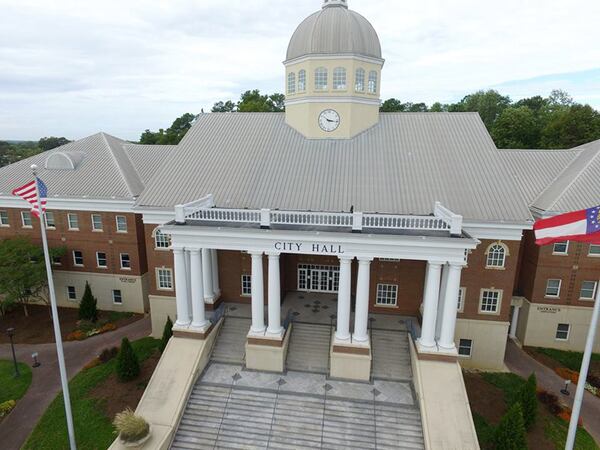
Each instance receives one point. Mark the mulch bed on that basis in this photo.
(37, 328)
(554, 364)
(488, 401)
(115, 395)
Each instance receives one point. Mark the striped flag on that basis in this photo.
(28, 193)
(582, 226)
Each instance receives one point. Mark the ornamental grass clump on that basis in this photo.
(131, 428)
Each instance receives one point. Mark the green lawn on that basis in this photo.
(12, 388)
(572, 360)
(555, 428)
(93, 430)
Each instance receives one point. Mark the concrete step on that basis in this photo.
(309, 348)
(391, 355)
(230, 344)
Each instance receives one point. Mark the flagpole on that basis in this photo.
(59, 347)
(585, 365)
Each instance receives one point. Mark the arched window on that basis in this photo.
(339, 78)
(496, 255)
(161, 240)
(291, 83)
(372, 82)
(321, 79)
(359, 84)
(302, 80)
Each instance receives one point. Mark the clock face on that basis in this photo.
(329, 120)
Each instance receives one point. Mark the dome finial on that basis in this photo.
(327, 3)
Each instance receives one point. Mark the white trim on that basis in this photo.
(98, 261)
(395, 292)
(593, 297)
(462, 292)
(112, 292)
(75, 261)
(334, 56)
(249, 294)
(69, 221)
(498, 304)
(121, 261)
(565, 253)
(7, 223)
(504, 255)
(117, 224)
(23, 219)
(156, 273)
(470, 355)
(546, 295)
(593, 255)
(568, 332)
(74, 293)
(98, 230)
(496, 231)
(333, 99)
(75, 204)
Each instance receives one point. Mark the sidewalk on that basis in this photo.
(522, 364)
(45, 384)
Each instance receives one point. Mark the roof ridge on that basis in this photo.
(133, 189)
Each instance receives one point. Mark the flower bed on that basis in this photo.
(552, 404)
(85, 330)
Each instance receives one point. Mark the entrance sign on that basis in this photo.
(309, 247)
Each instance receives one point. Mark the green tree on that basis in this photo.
(529, 401)
(88, 306)
(489, 104)
(254, 101)
(571, 127)
(48, 143)
(128, 365)
(516, 128)
(438, 107)
(510, 434)
(167, 334)
(392, 105)
(23, 273)
(227, 106)
(172, 135)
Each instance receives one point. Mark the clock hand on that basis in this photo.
(329, 120)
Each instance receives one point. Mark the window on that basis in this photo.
(101, 259)
(121, 224)
(117, 298)
(387, 294)
(246, 284)
(161, 240)
(302, 80)
(71, 293)
(359, 83)
(588, 290)
(594, 249)
(562, 331)
(291, 83)
(465, 347)
(339, 78)
(96, 222)
(125, 261)
(26, 219)
(321, 79)
(56, 261)
(390, 259)
(77, 258)
(560, 248)
(372, 82)
(553, 288)
(4, 219)
(496, 255)
(73, 221)
(461, 299)
(50, 223)
(164, 279)
(490, 301)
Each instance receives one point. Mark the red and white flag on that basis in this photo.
(582, 226)
(29, 193)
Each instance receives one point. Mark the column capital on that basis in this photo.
(255, 253)
(364, 259)
(273, 255)
(177, 249)
(345, 259)
(457, 265)
(194, 250)
(434, 262)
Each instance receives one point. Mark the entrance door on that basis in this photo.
(318, 278)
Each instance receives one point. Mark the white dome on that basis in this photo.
(334, 30)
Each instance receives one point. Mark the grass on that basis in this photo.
(571, 360)
(114, 316)
(555, 428)
(93, 430)
(12, 388)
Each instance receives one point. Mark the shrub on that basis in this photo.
(551, 402)
(529, 402)
(167, 333)
(131, 428)
(87, 306)
(107, 354)
(128, 366)
(593, 380)
(6, 407)
(76, 335)
(510, 434)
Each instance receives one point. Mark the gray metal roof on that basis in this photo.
(334, 30)
(147, 159)
(401, 165)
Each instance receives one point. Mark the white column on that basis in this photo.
(198, 315)
(188, 279)
(442, 298)
(361, 313)
(258, 301)
(207, 275)
(274, 292)
(446, 341)
(215, 272)
(343, 307)
(430, 303)
(181, 291)
(514, 322)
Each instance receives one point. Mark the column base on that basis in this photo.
(191, 332)
(426, 348)
(447, 350)
(266, 352)
(350, 361)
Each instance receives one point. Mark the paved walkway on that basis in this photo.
(522, 364)
(45, 384)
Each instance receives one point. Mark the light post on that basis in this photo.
(565, 390)
(36, 363)
(11, 332)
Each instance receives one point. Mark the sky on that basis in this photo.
(75, 67)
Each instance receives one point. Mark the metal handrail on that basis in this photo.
(218, 314)
(289, 318)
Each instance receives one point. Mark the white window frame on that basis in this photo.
(568, 331)
(119, 229)
(246, 286)
(321, 74)
(4, 221)
(593, 291)
(121, 261)
(94, 228)
(69, 298)
(557, 291)
(594, 255)
(565, 252)
(495, 256)
(75, 259)
(373, 82)
(159, 279)
(54, 262)
(359, 80)
(291, 83)
(385, 293)
(462, 292)
(50, 224)
(470, 347)
(340, 79)
(105, 266)
(28, 215)
(498, 303)
(73, 219)
(302, 80)
(161, 238)
(114, 296)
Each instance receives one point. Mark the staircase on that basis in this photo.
(230, 343)
(391, 356)
(309, 348)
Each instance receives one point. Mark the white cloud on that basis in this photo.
(75, 67)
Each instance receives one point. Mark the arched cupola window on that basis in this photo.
(302, 80)
(339, 78)
(373, 82)
(291, 87)
(496, 255)
(321, 79)
(359, 84)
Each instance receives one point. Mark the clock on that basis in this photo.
(329, 120)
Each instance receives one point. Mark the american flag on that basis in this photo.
(28, 193)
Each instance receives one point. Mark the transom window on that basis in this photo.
(73, 221)
(246, 284)
(560, 248)
(96, 222)
(588, 290)
(465, 347)
(125, 261)
(117, 297)
(161, 240)
(461, 299)
(594, 250)
(71, 293)
(101, 260)
(562, 331)
(121, 224)
(302, 80)
(50, 223)
(77, 257)
(390, 259)
(164, 278)
(372, 82)
(496, 256)
(387, 294)
(291, 83)
(321, 79)
(4, 219)
(26, 219)
(339, 78)
(553, 287)
(359, 82)
(490, 301)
